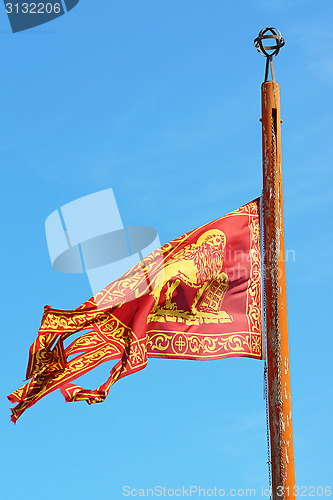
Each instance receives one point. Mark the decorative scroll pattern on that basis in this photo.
(200, 346)
(254, 288)
(62, 324)
(91, 349)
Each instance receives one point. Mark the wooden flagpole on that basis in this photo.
(279, 395)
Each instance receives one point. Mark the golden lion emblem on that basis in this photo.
(198, 265)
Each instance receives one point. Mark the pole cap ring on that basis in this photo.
(269, 50)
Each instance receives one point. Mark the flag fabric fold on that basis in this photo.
(197, 297)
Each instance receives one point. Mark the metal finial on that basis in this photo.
(269, 51)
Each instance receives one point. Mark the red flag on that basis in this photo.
(197, 297)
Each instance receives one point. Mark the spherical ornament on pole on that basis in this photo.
(269, 50)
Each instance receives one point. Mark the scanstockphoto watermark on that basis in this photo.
(198, 491)
(238, 263)
(187, 491)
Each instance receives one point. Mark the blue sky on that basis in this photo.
(160, 100)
